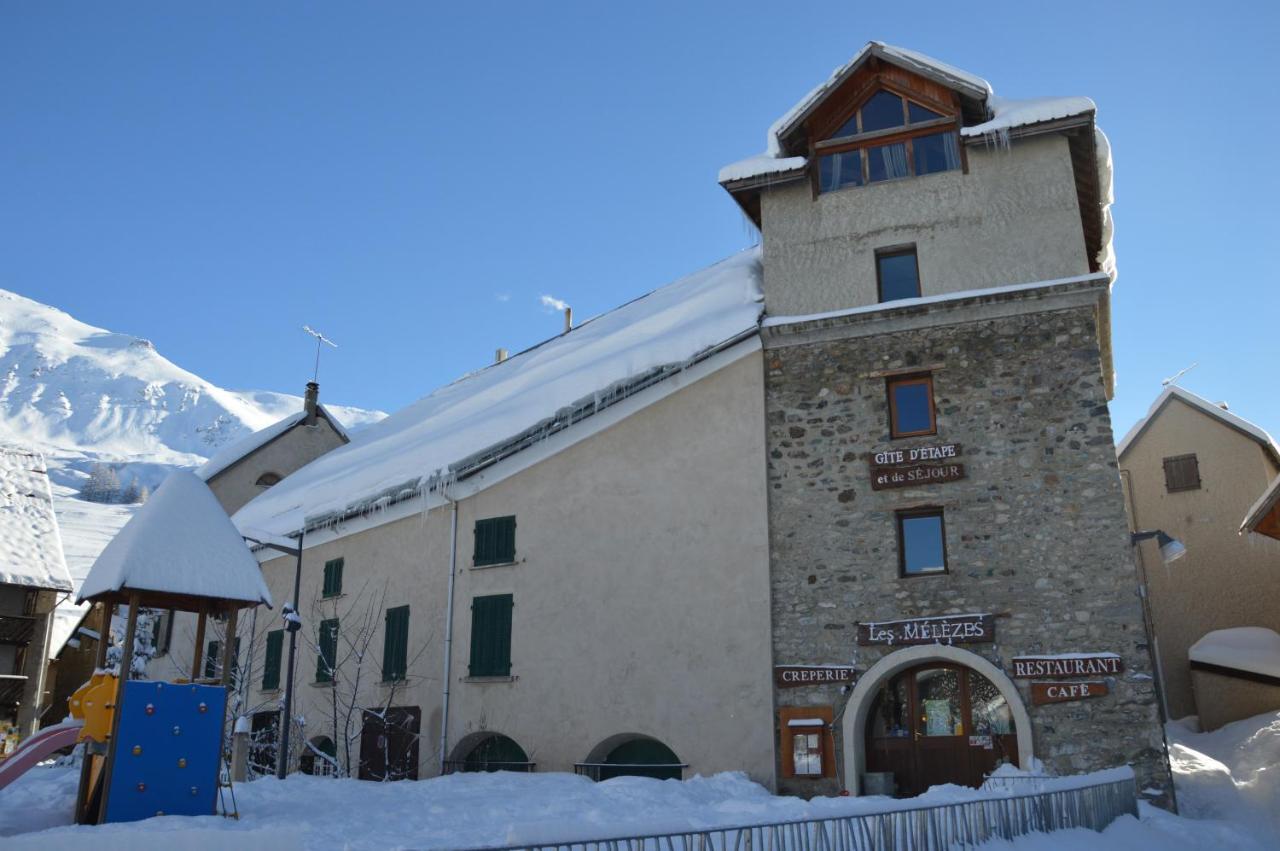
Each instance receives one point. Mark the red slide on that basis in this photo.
(37, 748)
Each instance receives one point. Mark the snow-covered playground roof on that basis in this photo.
(30, 545)
(509, 404)
(180, 544)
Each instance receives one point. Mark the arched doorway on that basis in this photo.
(319, 757)
(933, 714)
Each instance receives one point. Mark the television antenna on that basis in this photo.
(1174, 378)
(321, 340)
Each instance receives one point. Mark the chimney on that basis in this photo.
(310, 401)
(500, 355)
(568, 319)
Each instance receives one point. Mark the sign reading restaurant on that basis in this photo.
(900, 468)
(794, 676)
(1067, 665)
(943, 629)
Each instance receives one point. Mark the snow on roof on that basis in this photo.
(949, 74)
(1245, 648)
(179, 542)
(759, 165)
(233, 452)
(30, 545)
(1203, 405)
(670, 326)
(1007, 113)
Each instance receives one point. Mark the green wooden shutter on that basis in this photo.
(332, 577)
(271, 667)
(328, 655)
(491, 636)
(495, 541)
(212, 660)
(395, 645)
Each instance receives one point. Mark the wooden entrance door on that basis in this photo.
(939, 723)
(389, 744)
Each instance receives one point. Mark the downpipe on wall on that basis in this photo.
(448, 626)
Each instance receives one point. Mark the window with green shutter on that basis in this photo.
(328, 655)
(491, 636)
(271, 667)
(395, 645)
(495, 541)
(332, 577)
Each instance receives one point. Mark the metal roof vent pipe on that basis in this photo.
(568, 319)
(500, 355)
(310, 402)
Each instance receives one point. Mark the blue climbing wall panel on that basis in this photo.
(166, 756)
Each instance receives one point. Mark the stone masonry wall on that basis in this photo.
(1035, 534)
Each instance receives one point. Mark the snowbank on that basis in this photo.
(30, 545)
(398, 456)
(1244, 648)
(179, 542)
(1231, 774)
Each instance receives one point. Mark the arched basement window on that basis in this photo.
(642, 757)
(313, 759)
(497, 753)
(888, 137)
(266, 480)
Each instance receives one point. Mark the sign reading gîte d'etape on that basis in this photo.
(919, 465)
(943, 629)
(1067, 665)
(1042, 693)
(794, 676)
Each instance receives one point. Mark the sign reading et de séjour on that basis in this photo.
(794, 676)
(1067, 665)
(918, 465)
(943, 629)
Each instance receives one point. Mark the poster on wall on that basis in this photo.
(937, 717)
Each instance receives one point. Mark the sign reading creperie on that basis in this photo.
(1067, 665)
(794, 676)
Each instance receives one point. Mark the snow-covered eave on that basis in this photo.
(465, 476)
(1203, 405)
(1262, 508)
(38, 584)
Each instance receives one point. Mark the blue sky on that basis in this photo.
(410, 178)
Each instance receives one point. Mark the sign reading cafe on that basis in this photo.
(944, 629)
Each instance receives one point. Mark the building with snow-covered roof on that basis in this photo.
(1194, 468)
(33, 573)
(837, 511)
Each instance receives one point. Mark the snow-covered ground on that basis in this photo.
(1228, 787)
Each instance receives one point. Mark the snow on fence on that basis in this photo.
(934, 828)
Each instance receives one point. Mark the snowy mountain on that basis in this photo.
(85, 395)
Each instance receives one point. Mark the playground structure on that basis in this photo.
(151, 747)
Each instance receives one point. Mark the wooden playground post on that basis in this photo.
(199, 654)
(126, 664)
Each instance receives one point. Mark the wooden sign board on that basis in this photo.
(942, 452)
(1067, 665)
(795, 676)
(1042, 693)
(883, 478)
(944, 629)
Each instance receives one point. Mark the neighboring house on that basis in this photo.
(236, 474)
(1192, 468)
(33, 573)
(874, 452)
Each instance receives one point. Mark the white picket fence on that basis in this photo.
(939, 827)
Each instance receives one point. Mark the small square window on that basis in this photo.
(1181, 473)
(911, 406)
(898, 274)
(495, 541)
(922, 545)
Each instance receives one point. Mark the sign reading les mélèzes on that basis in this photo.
(1042, 693)
(944, 629)
(1067, 665)
(794, 676)
(917, 465)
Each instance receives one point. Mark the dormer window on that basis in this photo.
(888, 137)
